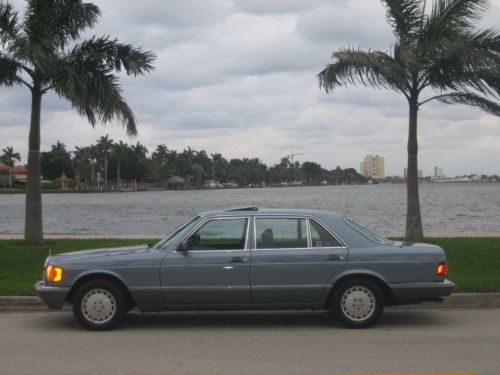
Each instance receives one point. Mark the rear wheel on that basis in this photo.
(99, 305)
(358, 303)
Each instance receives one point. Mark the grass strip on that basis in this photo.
(474, 263)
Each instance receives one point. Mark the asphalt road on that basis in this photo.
(405, 340)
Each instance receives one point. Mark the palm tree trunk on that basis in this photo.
(10, 179)
(33, 229)
(106, 172)
(414, 231)
(118, 175)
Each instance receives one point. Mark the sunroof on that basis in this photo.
(250, 208)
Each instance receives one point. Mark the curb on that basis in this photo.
(457, 300)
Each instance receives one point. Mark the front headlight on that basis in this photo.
(53, 274)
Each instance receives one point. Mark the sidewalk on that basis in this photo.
(457, 300)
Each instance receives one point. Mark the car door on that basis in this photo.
(214, 266)
(292, 260)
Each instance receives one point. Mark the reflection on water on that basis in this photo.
(451, 208)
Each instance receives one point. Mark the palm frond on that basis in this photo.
(95, 93)
(56, 22)
(449, 20)
(471, 99)
(456, 14)
(9, 27)
(9, 70)
(469, 61)
(114, 55)
(487, 40)
(405, 17)
(368, 68)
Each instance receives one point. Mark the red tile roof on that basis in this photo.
(63, 178)
(19, 169)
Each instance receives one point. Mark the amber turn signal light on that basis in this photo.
(442, 269)
(53, 274)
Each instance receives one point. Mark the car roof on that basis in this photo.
(253, 210)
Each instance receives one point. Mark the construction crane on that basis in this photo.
(292, 155)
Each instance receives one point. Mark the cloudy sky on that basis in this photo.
(239, 77)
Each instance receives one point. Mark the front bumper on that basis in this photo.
(410, 292)
(53, 296)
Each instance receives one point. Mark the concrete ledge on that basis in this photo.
(461, 300)
(457, 300)
(20, 303)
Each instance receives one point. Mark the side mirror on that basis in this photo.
(184, 246)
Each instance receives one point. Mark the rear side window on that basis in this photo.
(367, 232)
(320, 236)
(281, 233)
(226, 234)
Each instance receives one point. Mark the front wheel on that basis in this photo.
(99, 305)
(358, 303)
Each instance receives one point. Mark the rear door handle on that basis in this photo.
(334, 257)
(237, 260)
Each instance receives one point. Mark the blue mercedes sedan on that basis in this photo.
(250, 259)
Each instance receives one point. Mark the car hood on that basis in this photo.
(106, 252)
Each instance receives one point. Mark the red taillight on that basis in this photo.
(442, 269)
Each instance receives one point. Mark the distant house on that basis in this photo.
(176, 183)
(212, 184)
(19, 173)
(64, 181)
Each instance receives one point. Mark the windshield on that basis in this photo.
(367, 232)
(178, 234)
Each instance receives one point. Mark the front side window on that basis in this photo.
(281, 233)
(225, 234)
(320, 236)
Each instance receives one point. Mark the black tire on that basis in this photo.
(358, 312)
(102, 297)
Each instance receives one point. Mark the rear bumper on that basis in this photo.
(410, 292)
(53, 296)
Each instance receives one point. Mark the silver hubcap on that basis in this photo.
(98, 306)
(358, 303)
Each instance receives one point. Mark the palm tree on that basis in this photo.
(8, 158)
(81, 162)
(40, 51)
(438, 50)
(94, 156)
(104, 145)
(119, 153)
(61, 157)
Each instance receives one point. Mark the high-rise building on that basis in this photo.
(438, 173)
(372, 166)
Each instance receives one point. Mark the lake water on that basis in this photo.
(447, 208)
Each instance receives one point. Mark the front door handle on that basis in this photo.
(237, 260)
(334, 257)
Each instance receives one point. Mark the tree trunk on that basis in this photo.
(414, 231)
(10, 179)
(33, 229)
(118, 175)
(106, 172)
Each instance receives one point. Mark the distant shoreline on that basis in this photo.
(69, 191)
